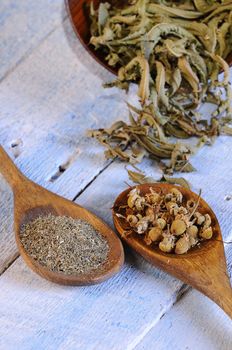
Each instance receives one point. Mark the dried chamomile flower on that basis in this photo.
(184, 218)
(177, 195)
(160, 222)
(139, 203)
(168, 197)
(132, 219)
(142, 225)
(154, 235)
(153, 197)
(133, 196)
(150, 214)
(190, 204)
(178, 227)
(171, 205)
(182, 211)
(192, 231)
(182, 245)
(200, 219)
(206, 233)
(207, 221)
(167, 244)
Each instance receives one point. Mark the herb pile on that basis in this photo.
(174, 51)
(166, 219)
(63, 244)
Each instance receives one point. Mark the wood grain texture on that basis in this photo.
(23, 25)
(7, 242)
(107, 316)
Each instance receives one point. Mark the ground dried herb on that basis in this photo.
(64, 244)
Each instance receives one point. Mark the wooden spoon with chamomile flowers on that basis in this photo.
(203, 267)
(32, 200)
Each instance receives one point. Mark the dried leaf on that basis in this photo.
(103, 15)
(176, 181)
(188, 74)
(161, 30)
(160, 83)
(176, 81)
(226, 130)
(139, 177)
(143, 91)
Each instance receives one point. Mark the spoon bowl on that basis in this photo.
(32, 200)
(203, 267)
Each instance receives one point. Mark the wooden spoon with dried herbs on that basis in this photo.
(175, 229)
(58, 239)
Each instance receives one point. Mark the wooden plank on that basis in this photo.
(7, 244)
(44, 117)
(193, 323)
(107, 316)
(23, 25)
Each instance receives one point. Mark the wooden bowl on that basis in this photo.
(78, 13)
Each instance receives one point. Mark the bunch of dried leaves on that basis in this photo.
(174, 51)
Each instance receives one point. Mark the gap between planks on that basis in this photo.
(177, 297)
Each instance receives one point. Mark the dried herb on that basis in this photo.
(63, 244)
(167, 220)
(174, 51)
(141, 178)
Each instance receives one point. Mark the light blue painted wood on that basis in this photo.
(42, 315)
(7, 245)
(193, 323)
(23, 24)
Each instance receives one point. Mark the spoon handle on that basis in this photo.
(224, 299)
(8, 169)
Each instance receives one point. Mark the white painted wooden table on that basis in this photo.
(50, 93)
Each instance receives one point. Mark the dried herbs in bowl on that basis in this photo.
(174, 51)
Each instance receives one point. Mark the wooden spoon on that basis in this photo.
(203, 267)
(32, 200)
